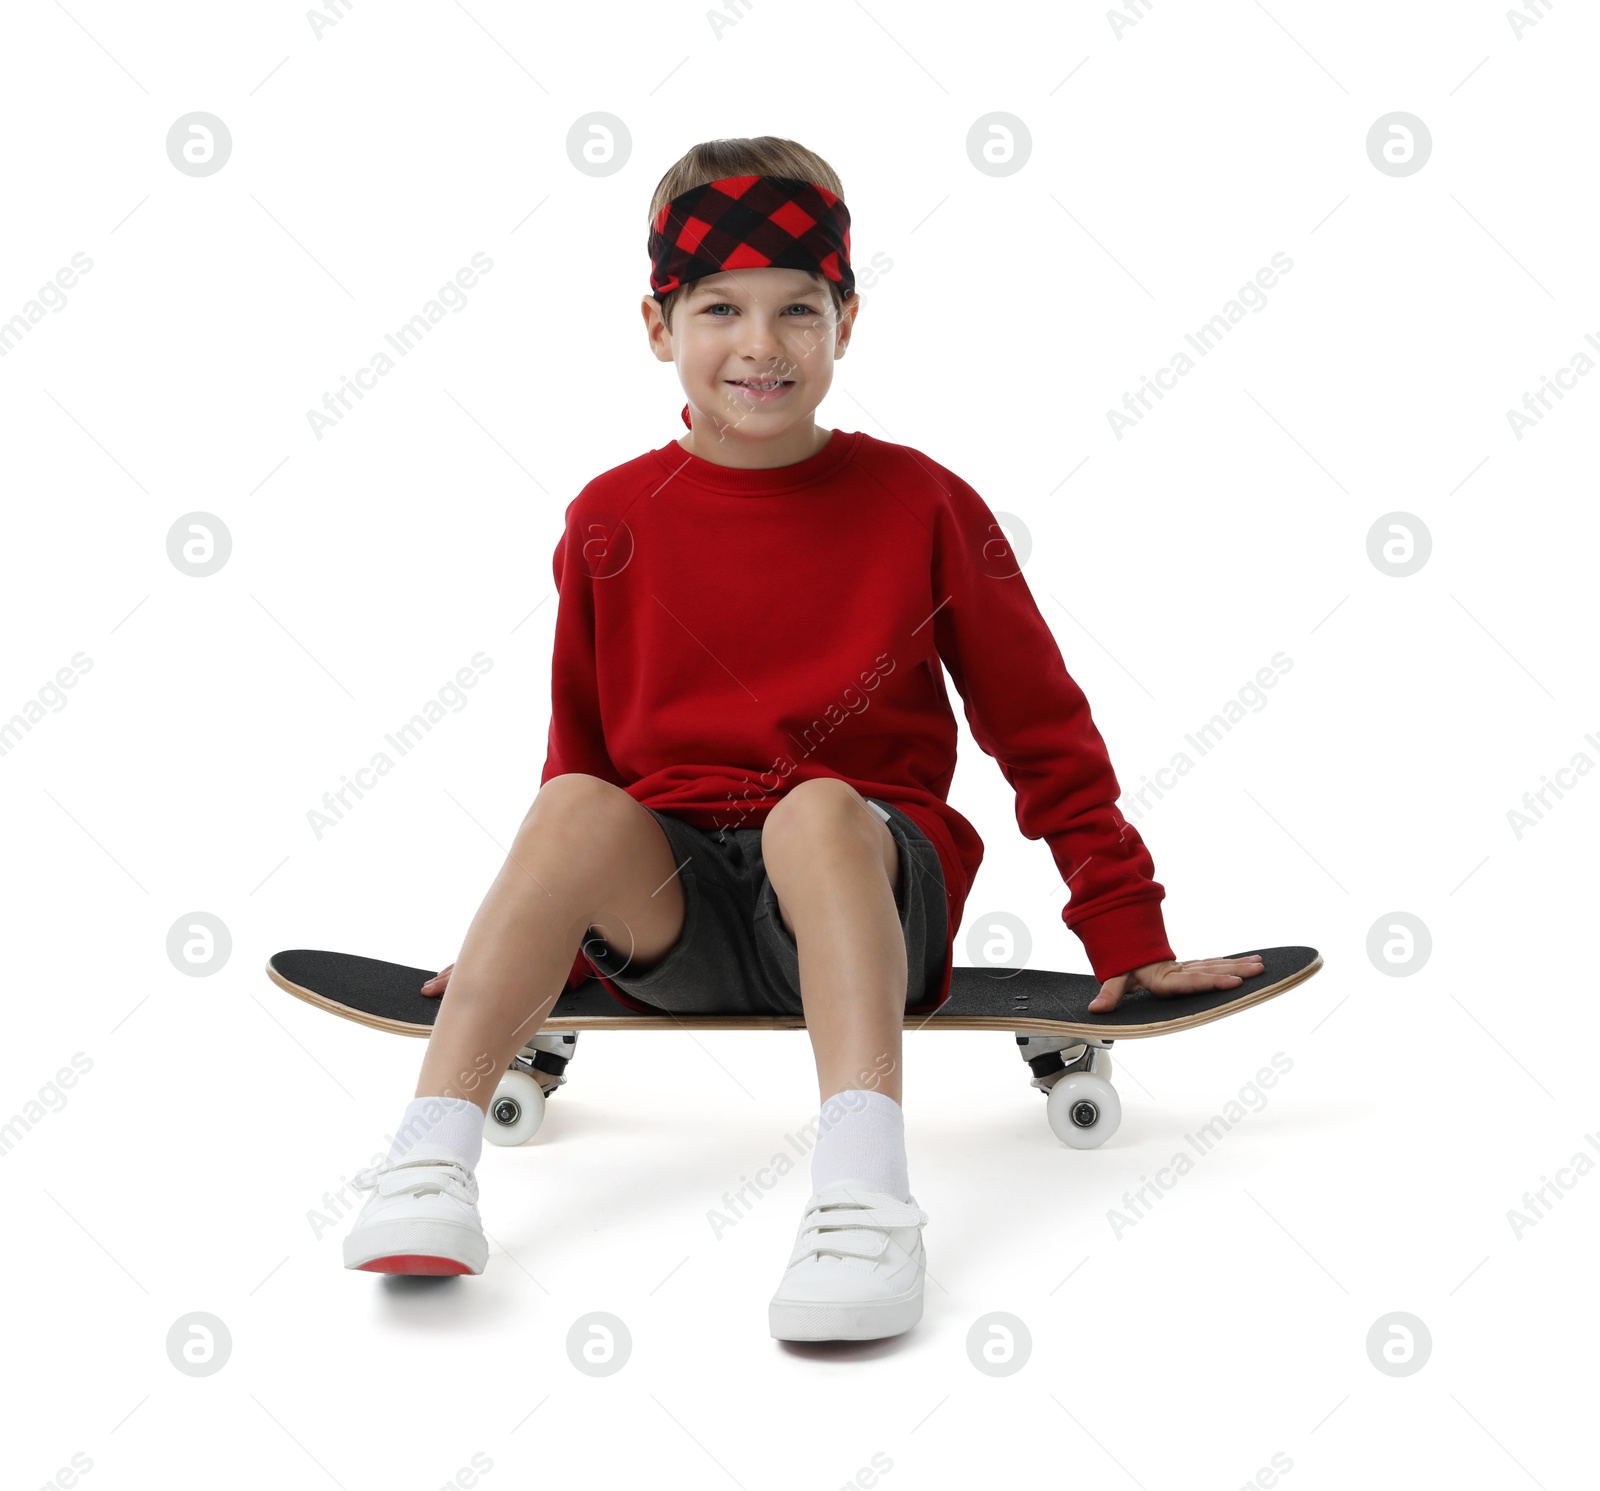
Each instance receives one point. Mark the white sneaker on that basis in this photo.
(856, 1270)
(422, 1217)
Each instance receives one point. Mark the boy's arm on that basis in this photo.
(1026, 711)
(577, 742)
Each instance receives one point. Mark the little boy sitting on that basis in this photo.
(743, 805)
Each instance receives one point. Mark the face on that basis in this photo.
(736, 330)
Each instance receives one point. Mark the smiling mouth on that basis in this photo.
(765, 385)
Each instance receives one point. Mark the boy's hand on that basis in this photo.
(436, 984)
(1168, 977)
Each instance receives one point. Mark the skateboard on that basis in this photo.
(1066, 1047)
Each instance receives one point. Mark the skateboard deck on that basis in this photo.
(1032, 1001)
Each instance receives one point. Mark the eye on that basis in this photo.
(723, 305)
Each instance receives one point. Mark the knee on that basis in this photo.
(822, 814)
(569, 841)
(576, 803)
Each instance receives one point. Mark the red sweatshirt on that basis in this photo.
(723, 634)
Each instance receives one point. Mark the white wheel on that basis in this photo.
(1084, 1111)
(515, 1111)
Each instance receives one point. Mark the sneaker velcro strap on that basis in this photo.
(417, 1175)
(415, 1180)
(867, 1216)
(853, 1231)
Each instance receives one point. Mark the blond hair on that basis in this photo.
(763, 155)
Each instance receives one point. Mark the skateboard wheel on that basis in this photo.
(1083, 1110)
(515, 1111)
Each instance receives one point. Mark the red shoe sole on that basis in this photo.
(414, 1263)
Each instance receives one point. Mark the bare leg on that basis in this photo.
(834, 864)
(586, 855)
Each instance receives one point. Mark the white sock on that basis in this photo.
(862, 1136)
(455, 1124)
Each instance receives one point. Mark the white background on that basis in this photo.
(1166, 168)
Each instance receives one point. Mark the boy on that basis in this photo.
(743, 803)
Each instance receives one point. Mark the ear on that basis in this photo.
(847, 321)
(656, 332)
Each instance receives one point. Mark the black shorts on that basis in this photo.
(735, 956)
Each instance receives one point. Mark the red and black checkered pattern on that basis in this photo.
(750, 222)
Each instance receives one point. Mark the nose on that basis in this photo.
(758, 341)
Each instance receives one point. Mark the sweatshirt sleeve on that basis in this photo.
(1026, 711)
(577, 741)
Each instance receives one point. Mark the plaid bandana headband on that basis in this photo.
(750, 222)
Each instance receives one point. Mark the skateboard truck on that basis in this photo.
(1075, 1076)
(1043, 1053)
(517, 1108)
(548, 1053)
